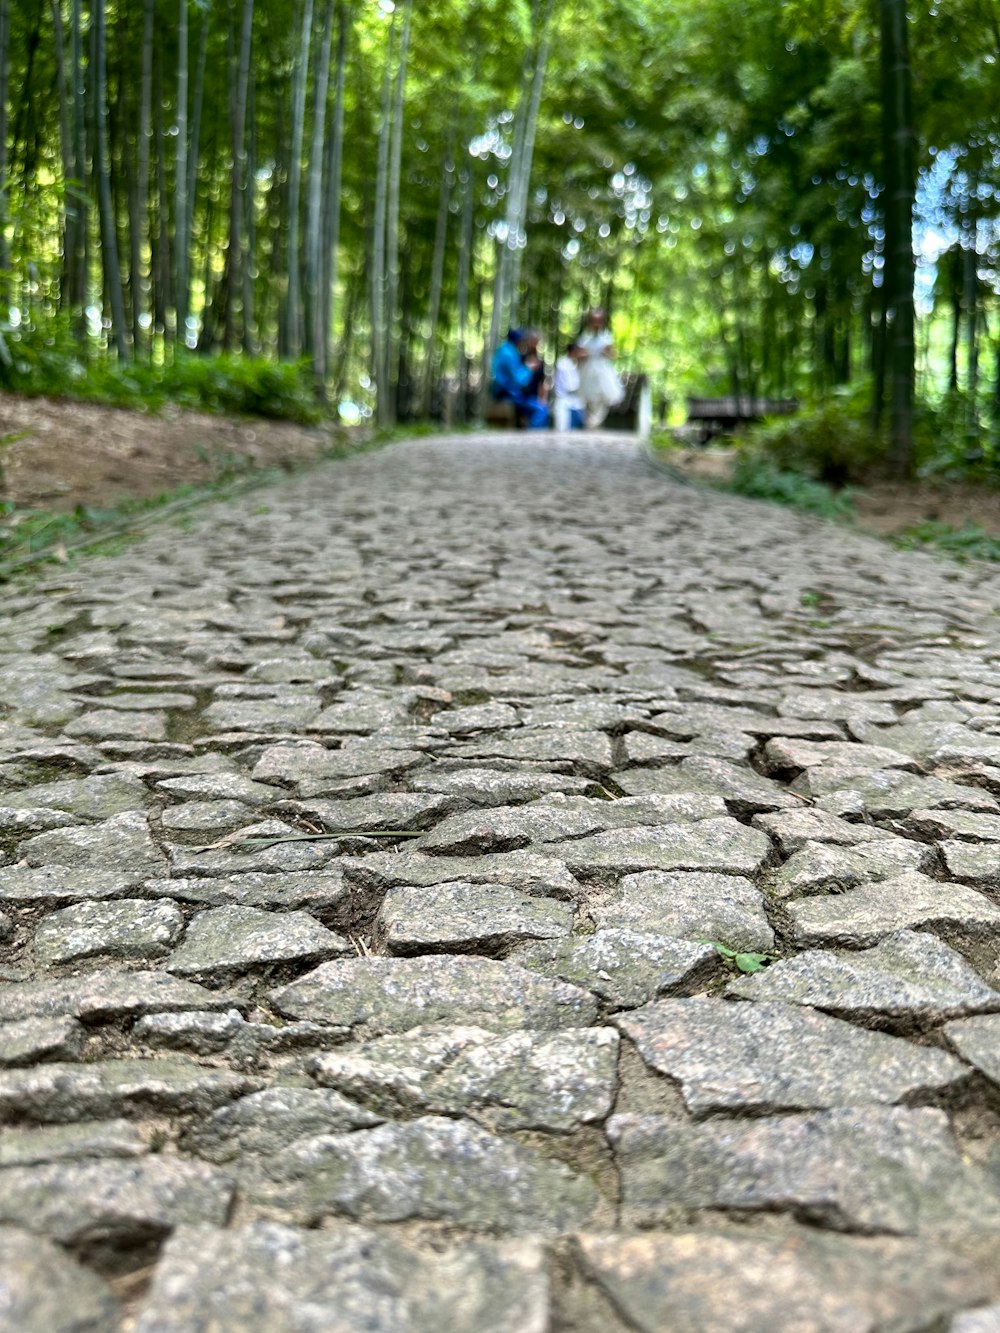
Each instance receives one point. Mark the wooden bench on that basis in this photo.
(725, 416)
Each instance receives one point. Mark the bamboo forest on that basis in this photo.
(353, 200)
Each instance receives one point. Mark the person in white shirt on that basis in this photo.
(600, 388)
(568, 405)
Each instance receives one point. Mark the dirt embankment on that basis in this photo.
(57, 454)
(883, 507)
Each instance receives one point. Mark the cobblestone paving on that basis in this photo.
(381, 858)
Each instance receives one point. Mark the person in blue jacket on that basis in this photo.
(515, 377)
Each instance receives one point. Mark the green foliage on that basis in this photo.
(48, 360)
(739, 960)
(969, 542)
(831, 443)
(950, 443)
(760, 479)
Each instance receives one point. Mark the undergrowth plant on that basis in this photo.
(49, 361)
(968, 542)
(761, 479)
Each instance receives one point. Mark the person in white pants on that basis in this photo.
(568, 405)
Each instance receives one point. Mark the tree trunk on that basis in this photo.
(300, 78)
(393, 314)
(380, 332)
(511, 245)
(162, 265)
(141, 277)
(334, 177)
(181, 178)
(462, 292)
(67, 213)
(437, 280)
(898, 274)
(249, 339)
(109, 237)
(193, 158)
(970, 286)
(315, 341)
(4, 92)
(234, 252)
(76, 259)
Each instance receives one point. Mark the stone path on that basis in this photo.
(383, 858)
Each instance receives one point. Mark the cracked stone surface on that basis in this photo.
(895, 1171)
(910, 978)
(377, 868)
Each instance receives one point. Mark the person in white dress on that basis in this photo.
(568, 405)
(600, 386)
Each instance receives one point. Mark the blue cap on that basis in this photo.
(515, 335)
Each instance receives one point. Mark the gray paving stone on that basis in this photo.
(590, 751)
(98, 1140)
(33, 819)
(886, 793)
(107, 995)
(130, 928)
(199, 1033)
(431, 1169)
(743, 790)
(203, 818)
(800, 1280)
(58, 884)
(493, 786)
(818, 866)
(275, 1279)
(268, 1121)
(220, 787)
(310, 890)
(709, 844)
(543, 875)
(895, 1170)
(267, 847)
(382, 995)
(698, 907)
(31, 1039)
(63, 1093)
(520, 1080)
(108, 723)
(786, 755)
(113, 1202)
(977, 1040)
(458, 916)
(407, 811)
(556, 820)
(793, 830)
(314, 770)
(835, 706)
(44, 1290)
(238, 939)
(772, 1057)
(976, 863)
(623, 967)
(259, 715)
(865, 915)
(908, 978)
(481, 717)
(955, 824)
(123, 841)
(984, 1320)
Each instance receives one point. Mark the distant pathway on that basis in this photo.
(476, 1064)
